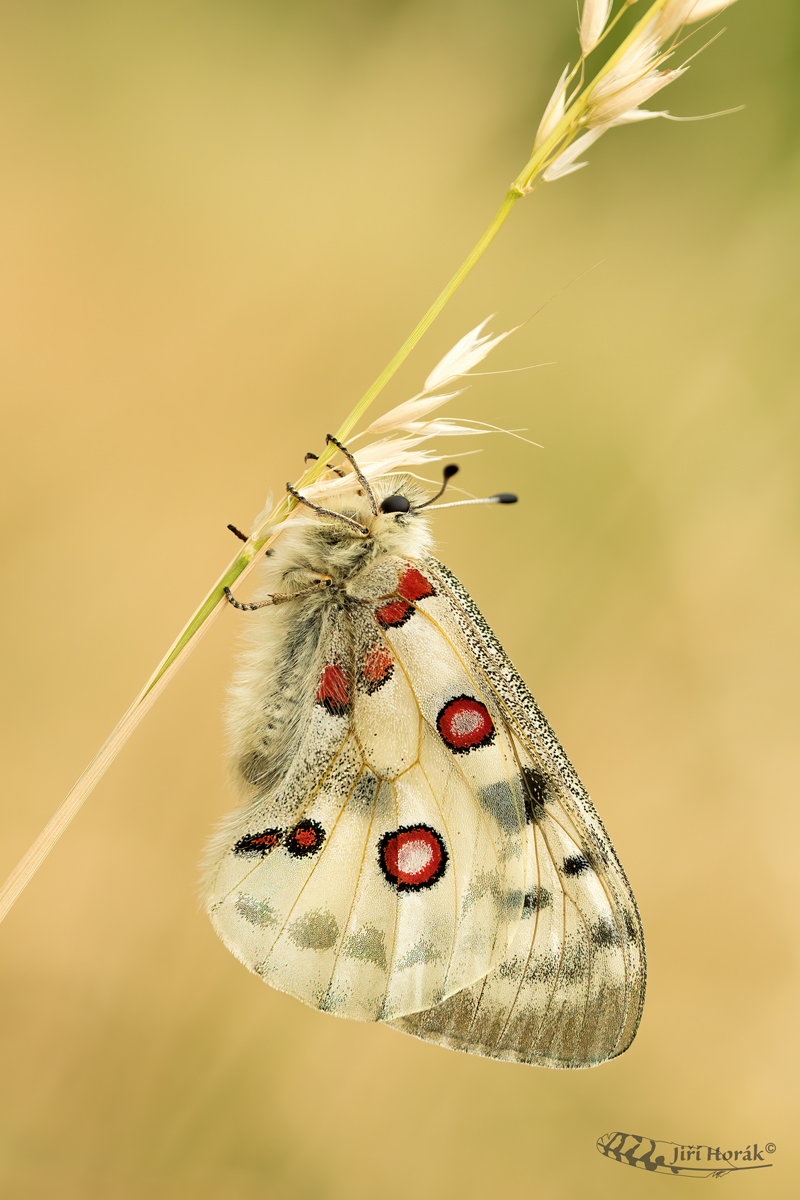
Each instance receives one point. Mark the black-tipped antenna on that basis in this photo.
(359, 476)
(500, 498)
(447, 475)
(239, 533)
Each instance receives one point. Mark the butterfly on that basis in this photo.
(414, 846)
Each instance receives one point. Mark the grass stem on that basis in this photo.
(561, 136)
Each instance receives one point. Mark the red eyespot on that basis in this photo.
(306, 838)
(394, 614)
(413, 857)
(333, 692)
(414, 586)
(465, 724)
(259, 843)
(376, 669)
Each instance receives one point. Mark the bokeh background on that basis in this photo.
(218, 220)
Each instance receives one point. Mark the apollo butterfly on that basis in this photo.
(414, 847)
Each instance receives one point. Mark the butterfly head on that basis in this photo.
(384, 515)
(385, 521)
(399, 526)
(396, 504)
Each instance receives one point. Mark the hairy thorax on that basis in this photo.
(272, 695)
(326, 546)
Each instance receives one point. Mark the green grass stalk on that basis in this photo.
(527, 180)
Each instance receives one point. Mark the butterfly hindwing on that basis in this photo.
(369, 882)
(480, 888)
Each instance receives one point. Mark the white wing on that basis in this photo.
(570, 989)
(369, 882)
(426, 854)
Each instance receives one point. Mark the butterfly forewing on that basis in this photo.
(569, 990)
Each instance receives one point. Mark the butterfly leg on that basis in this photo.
(320, 583)
(314, 457)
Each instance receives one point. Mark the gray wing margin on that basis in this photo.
(530, 725)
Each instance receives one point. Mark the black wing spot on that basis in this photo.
(604, 933)
(631, 928)
(577, 864)
(536, 899)
(537, 784)
(536, 787)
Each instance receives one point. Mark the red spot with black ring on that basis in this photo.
(414, 586)
(376, 669)
(305, 839)
(412, 857)
(333, 691)
(259, 843)
(464, 724)
(394, 614)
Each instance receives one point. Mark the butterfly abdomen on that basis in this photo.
(271, 700)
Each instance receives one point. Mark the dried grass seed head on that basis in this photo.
(593, 21)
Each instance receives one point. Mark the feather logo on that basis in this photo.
(676, 1158)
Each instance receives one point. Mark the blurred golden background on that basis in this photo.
(218, 221)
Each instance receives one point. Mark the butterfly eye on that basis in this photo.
(395, 504)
